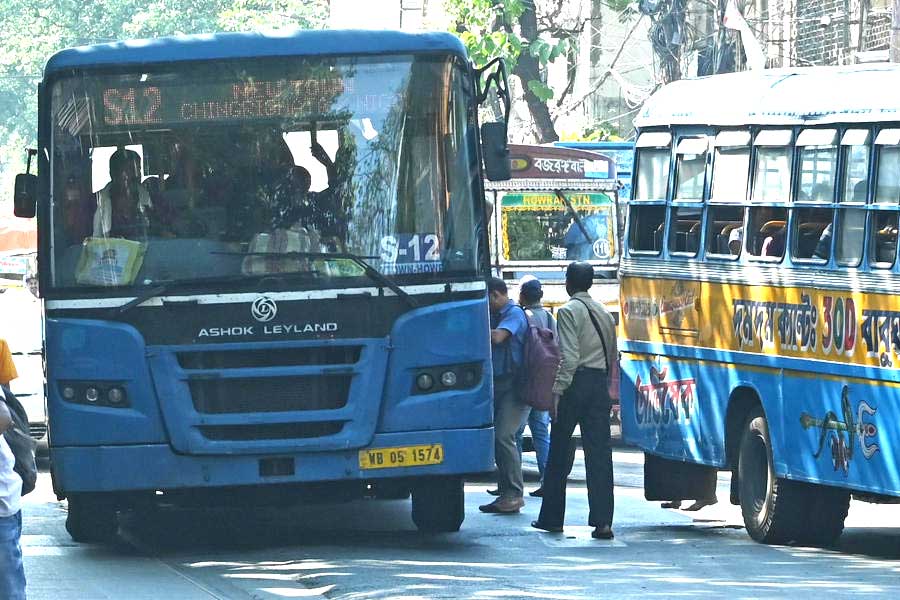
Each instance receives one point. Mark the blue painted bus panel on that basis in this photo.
(826, 429)
(157, 467)
(380, 400)
(438, 336)
(100, 352)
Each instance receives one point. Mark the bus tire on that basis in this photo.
(826, 510)
(772, 507)
(438, 504)
(92, 518)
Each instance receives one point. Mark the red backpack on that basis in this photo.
(540, 362)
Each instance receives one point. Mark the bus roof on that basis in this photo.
(779, 97)
(221, 46)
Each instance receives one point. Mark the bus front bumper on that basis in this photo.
(129, 468)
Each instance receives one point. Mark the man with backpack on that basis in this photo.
(508, 329)
(587, 338)
(530, 294)
(12, 571)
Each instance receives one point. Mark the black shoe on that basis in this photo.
(538, 493)
(541, 526)
(602, 533)
(494, 492)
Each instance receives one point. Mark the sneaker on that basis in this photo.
(676, 504)
(494, 492)
(538, 493)
(503, 506)
(602, 533)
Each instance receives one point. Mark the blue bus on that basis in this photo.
(263, 260)
(760, 322)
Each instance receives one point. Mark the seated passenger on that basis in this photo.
(123, 205)
(774, 244)
(295, 205)
(736, 240)
(823, 247)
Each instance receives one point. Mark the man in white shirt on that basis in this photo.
(12, 573)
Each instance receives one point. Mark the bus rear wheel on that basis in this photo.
(826, 510)
(772, 507)
(438, 504)
(92, 518)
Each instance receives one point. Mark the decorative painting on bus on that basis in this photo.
(541, 226)
(841, 434)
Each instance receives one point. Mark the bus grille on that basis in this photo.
(38, 430)
(275, 431)
(272, 357)
(270, 394)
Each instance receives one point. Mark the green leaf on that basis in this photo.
(541, 90)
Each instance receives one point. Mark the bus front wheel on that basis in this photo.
(92, 518)
(772, 507)
(438, 504)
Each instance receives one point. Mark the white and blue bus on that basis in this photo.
(760, 325)
(284, 288)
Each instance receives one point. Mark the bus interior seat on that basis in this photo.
(769, 229)
(886, 244)
(658, 236)
(723, 235)
(808, 235)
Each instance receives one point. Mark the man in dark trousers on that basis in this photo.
(581, 398)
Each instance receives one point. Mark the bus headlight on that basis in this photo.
(115, 396)
(447, 377)
(425, 382)
(95, 393)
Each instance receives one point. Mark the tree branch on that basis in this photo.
(610, 68)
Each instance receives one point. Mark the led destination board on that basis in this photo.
(287, 98)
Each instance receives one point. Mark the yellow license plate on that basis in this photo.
(401, 456)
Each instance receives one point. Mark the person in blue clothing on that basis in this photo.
(590, 247)
(508, 328)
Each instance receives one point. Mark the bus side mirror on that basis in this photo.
(25, 198)
(495, 151)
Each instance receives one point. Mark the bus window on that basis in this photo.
(684, 229)
(887, 190)
(818, 164)
(690, 168)
(731, 167)
(772, 177)
(855, 149)
(766, 229)
(851, 228)
(653, 160)
(883, 239)
(724, 230)
(812, 234)
(646, 230)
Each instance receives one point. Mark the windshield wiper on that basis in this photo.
(370, 271)
(575, 214)
(156, 290)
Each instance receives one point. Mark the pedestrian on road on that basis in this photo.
(587, 339)
(530, 294)
(508, 327)
(12, 571)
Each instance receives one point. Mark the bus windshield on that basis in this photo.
(236, 170)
